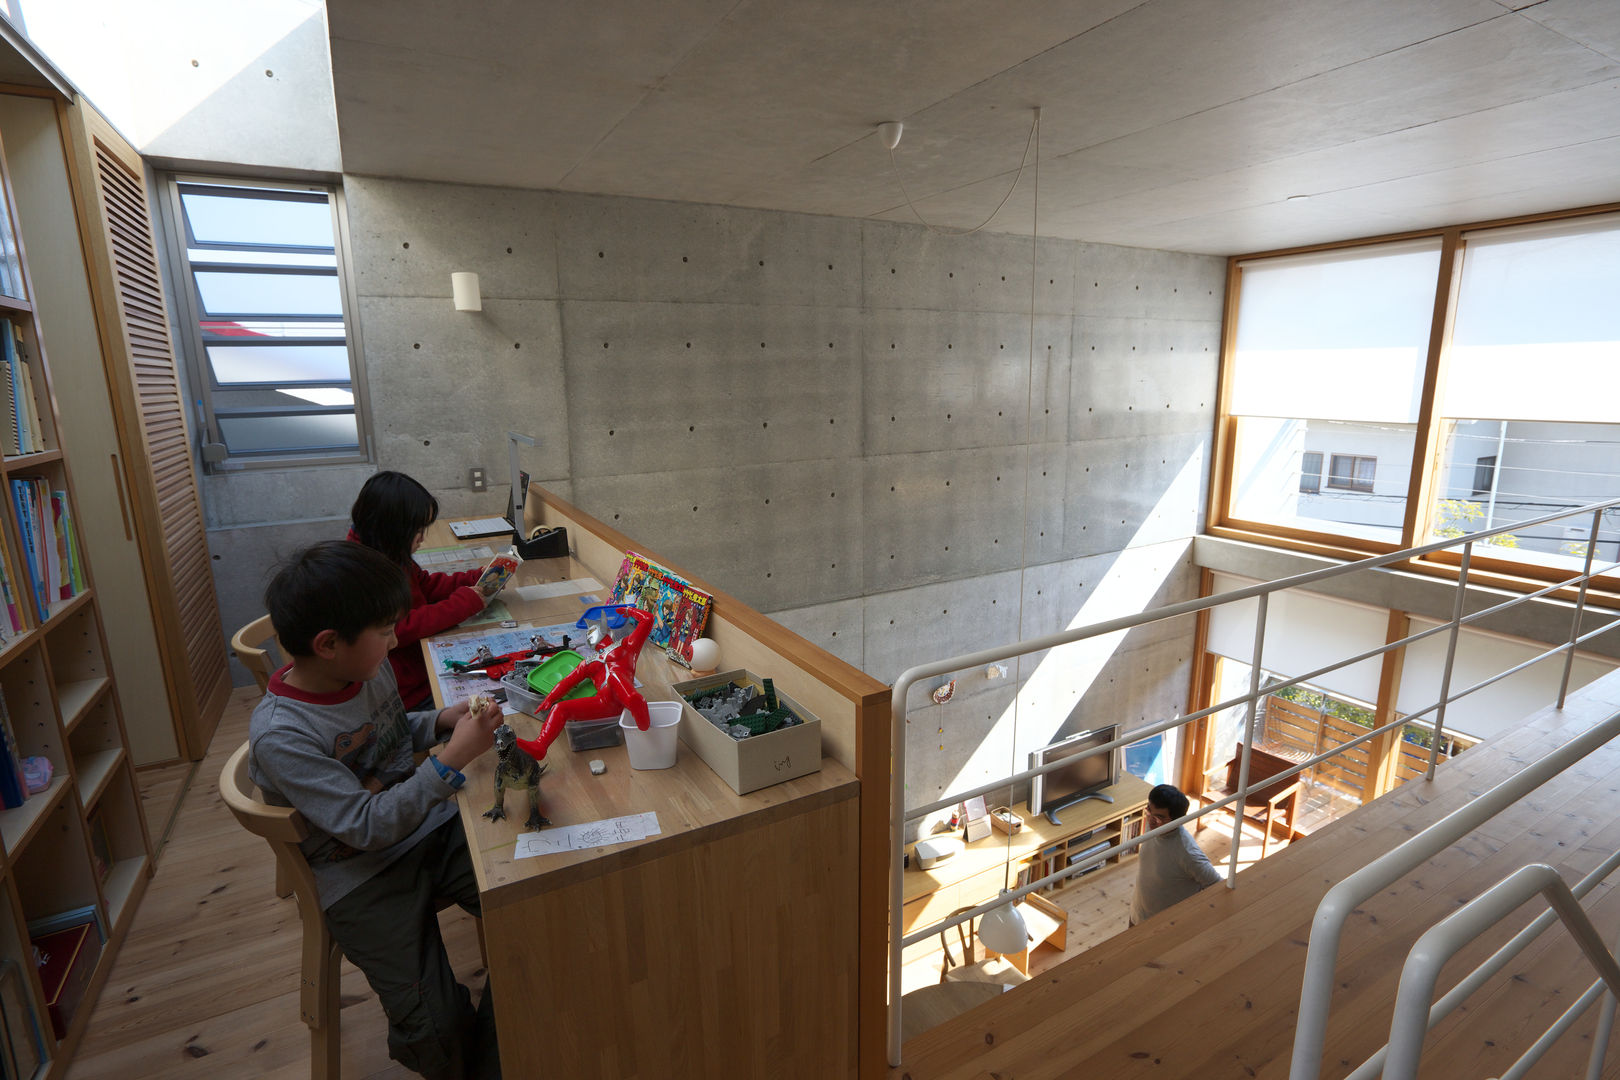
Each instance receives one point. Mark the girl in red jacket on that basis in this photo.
(390, 515)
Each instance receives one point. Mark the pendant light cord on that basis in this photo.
(893, 165)
(1029, 436)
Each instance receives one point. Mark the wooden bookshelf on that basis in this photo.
(57, 684)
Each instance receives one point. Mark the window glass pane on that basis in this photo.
(292, 432)
(1538, 313)
(11, 282)
(1536, 468)
(1327, 381)
(279, 363)
(269, 328)
(281, 294)
(320, 395)
(1341, 336)
(256, 257)
(1278, 475)
(287, 220)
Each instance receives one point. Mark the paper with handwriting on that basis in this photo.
(591, 834)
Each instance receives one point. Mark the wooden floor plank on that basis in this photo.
(1211, 987)
(206, 984)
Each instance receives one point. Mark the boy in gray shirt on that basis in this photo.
(332, 739)
(1170, 866)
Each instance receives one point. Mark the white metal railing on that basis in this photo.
(900, 816)
(1341, 901)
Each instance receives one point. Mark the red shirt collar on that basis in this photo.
(281, 688)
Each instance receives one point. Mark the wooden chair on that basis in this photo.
(1262, 807)
(282, 828)
(248, 645)
(965, 936)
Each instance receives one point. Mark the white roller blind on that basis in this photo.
(1340, 336)
(1304, 631)
(1538, 315)
(1479, 656)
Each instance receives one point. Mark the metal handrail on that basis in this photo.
(1341, 901)
(1413, 1015)
(1259, 592)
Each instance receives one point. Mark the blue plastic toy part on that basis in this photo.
(610, 615)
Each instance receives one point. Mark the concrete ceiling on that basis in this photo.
(1177, 124)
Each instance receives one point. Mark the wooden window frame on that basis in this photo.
(1483, 569)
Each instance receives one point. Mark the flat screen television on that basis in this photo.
(1080, 779)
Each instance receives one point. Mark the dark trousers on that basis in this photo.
(389, 928)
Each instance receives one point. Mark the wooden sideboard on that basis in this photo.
(978, 873)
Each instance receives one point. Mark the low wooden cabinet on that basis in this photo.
(1038, 849)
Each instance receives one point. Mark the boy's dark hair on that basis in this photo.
(389, 511)
(334, 585)
(1169, 797)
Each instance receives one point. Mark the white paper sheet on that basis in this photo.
(591, 834)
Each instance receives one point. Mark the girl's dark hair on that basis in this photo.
(334, 585)
(389, 511)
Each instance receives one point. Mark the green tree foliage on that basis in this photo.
(1456, 517)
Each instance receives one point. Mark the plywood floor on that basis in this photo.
(1210, 988)
(206, 983)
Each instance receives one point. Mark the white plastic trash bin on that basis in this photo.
(655, 747)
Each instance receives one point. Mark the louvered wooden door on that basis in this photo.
(150, 412)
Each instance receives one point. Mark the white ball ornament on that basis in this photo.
(705, 656)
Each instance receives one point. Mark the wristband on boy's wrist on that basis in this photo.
(454, 777)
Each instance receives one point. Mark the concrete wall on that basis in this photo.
(832, 419)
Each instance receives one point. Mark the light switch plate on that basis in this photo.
(476, 479)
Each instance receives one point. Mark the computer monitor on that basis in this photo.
(1080, 779)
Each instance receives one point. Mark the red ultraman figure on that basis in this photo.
(614, 674)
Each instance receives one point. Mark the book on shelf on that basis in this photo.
(23, 429)
(25, 1040)
(8, 429)
(100, 847)
(24, 496)
(13, 788)
(68, 541)
(11, 622)
(67, 959)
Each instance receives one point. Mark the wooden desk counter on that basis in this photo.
(722, 946)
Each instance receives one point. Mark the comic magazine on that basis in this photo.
(679, 610)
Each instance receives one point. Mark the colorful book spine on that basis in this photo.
(61, 580)
(22, 495)
(32, 442)
(13, 419)
(70, 531)
(13, 616)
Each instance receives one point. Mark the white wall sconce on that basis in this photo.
(464, 287)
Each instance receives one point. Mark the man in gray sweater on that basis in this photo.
(1170, 866)
(332, 739)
